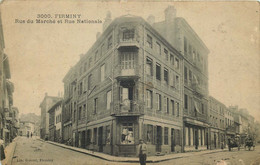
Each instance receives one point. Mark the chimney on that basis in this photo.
(170, 14)
(151, 19)
(98, 35)
(107, 21)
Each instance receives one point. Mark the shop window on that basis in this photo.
(95, 136)
(127, 136)
(108, 134)
(149, 138)
(166, 140)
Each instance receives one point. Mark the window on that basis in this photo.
(158, 48)
(172, 107)
(128, 35)
(166, 141)
(109, 99)
(109, 43)
(80, 88)
(172, 59)
(90, 62)
(178, 109)
(177, 82)
(127, 136)
(177, 63)
(166, 104)
(149, 137)
(185, 73)
(95, 105)
(185, 46)
(158, 71)
(149, 41)
(158, 102)
(85, 66)
(149, 66)
(190, 75)
(103, 50)
(149, 99)
(166, 76)
(127, 60)
(102, 73)
(79, 114)
(96, 56)
(90, 82)
(185, 101)
(84, 111)
(166, 54)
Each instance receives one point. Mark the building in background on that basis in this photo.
(26, 128)
(45, 105)
(55, 119)
(216, 118)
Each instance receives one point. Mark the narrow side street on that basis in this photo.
(30, 151)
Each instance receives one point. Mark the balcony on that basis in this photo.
(126, 74)
(127, 108)
(128, 43)
(198, 89)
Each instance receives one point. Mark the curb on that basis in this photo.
(125, 161)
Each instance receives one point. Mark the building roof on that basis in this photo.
(55, 106)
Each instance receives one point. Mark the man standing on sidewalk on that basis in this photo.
(2, 151)
(142, 150)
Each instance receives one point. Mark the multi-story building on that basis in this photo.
(69, 103)
(26, 128)
(216, 120)
(55, 119)
(229, 123)
(45, 105)
(195, 73)
(125, 88)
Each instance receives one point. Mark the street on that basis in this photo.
(30, 151)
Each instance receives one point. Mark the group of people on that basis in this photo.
(28, 134)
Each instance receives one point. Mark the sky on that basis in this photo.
(41, 54)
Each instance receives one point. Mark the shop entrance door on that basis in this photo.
(172, 140)
(100, 139)
(159, 139)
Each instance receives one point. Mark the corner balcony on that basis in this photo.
(198, 89)
(126, 74)
(127, 108)
(128, 43)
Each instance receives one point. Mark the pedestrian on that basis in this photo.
(31, 134)
(2, 150)
(142, 150)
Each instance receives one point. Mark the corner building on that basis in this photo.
(127, 87)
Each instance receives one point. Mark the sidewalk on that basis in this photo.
(150, 159)
(9, 153)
